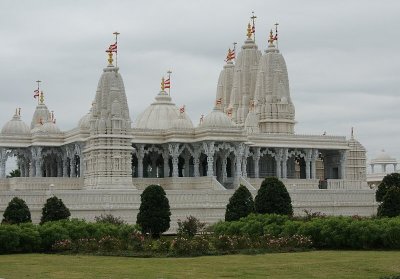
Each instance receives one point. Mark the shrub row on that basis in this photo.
(34, 238)
(76, 236)
(184, 246)
(325, 232)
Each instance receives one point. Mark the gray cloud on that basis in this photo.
(342, 57)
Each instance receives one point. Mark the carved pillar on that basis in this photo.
(174, 153)
(278, 162)
(256, 160)
(239, 155)
(314, 158)
(285, 156)
(37, 160)
(307, 159)
(372, 168)
(343, 156)
(244, 161)
(140, 156)
(166, 159)
(209, 150)
(196, 160)
(3, 159)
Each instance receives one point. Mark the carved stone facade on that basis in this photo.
(103, 164)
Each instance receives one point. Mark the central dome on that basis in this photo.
(162, 115)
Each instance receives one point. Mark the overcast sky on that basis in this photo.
(343, 58)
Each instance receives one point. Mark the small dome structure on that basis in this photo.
(383, 158)
(50, 128)
(15, 126)
(84, 122)
(183, 122)
(217, 119)
(251, 123)
(161, 115)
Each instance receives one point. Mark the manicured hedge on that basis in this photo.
(325, 232)
(41, 238)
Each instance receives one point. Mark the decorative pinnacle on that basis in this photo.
(162, 84)
(41, 97)
(110, 58)
(249, 31)
(271, 38)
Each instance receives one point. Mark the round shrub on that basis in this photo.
(272, 197)
(16, 212)
(154, 214)
(54, 210)
(240, 204)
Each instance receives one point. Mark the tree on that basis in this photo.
(154, 212)
(272, 197)
(389, 181)
(16, 212)
(240, 204)
(53, 210)
(390, 206)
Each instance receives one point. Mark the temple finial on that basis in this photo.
(41, 97)
(249, 31)
(162, 84)
(271, 38)
(110, 57)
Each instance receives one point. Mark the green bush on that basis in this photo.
(240, 205)
(16, 212)
(389, 181)
(390, 206)
(328, 232)
(29, 238)
(154, 214)
(54, 209)
(9, 238)
(109, 218)
(190, 227)
(272, 197)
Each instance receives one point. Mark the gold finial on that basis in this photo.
(110, 57)
(271, 38)
(41, 97)
(249, 31)
(162, 84)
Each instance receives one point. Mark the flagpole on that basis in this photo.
(38, 82)
(116, 53)
(234, 48)
(253, 17)
(169, 78)
(276, 34)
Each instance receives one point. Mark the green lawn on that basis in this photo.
(316, 264)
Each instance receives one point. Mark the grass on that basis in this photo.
(315, 264)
